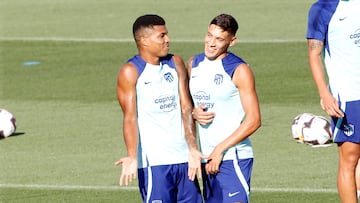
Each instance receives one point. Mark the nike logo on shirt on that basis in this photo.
(341, 19)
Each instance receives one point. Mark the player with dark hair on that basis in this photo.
(227, 110)
(158, 128)
(334, 30)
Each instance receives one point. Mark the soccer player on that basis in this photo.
(227, 110)
(334, 30)
(357, 177)
(158, 128)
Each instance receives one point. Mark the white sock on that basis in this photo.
(358, 194)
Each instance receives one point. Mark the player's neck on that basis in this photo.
(151, 59)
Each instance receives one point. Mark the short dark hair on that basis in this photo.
(226, 22)
(147, 21)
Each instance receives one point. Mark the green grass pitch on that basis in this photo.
(69, 121)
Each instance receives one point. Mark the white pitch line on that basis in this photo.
(64, 39)
(307, 190)
(68, 187)
(131, 188)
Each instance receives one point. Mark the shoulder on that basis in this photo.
(179, 65)
(322, 11)
(243, 69)
(323, 4)
(243, 75)
(137, 61)
(173, 61)
(136, 64)
(189, 61)
(128, 72)
(231, 62)
(195, 60)
(177, 59)
(127, 67)
(232, 59)
(189, 65)
(319, 17)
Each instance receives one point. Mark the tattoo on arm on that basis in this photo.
(316, 45)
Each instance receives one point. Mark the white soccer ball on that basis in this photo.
(297, 125)
(311, 129)
(7, 123)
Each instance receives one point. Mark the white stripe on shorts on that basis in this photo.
(241, 176)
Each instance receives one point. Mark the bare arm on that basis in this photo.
(244, 80)
(186, 103)
(327, 101)
(189, 123)
(126, 94)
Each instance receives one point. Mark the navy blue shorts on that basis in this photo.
(346, 129)
(168, 183)
(231, 184)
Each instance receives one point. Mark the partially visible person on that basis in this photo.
(227, 110)
(158, 128)
(334, 30)
(357, 177)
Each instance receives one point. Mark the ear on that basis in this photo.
(144, 41)
(232, 41)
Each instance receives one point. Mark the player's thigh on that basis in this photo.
(347, 129)
(168, 183)
(156, 184)
(231, 184)
(188, 191)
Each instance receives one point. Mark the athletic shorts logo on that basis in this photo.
(233, 194)
(349, 130)
(156, 201)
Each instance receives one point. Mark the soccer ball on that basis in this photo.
(297, 125)
(311, 129)
(7, 123)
